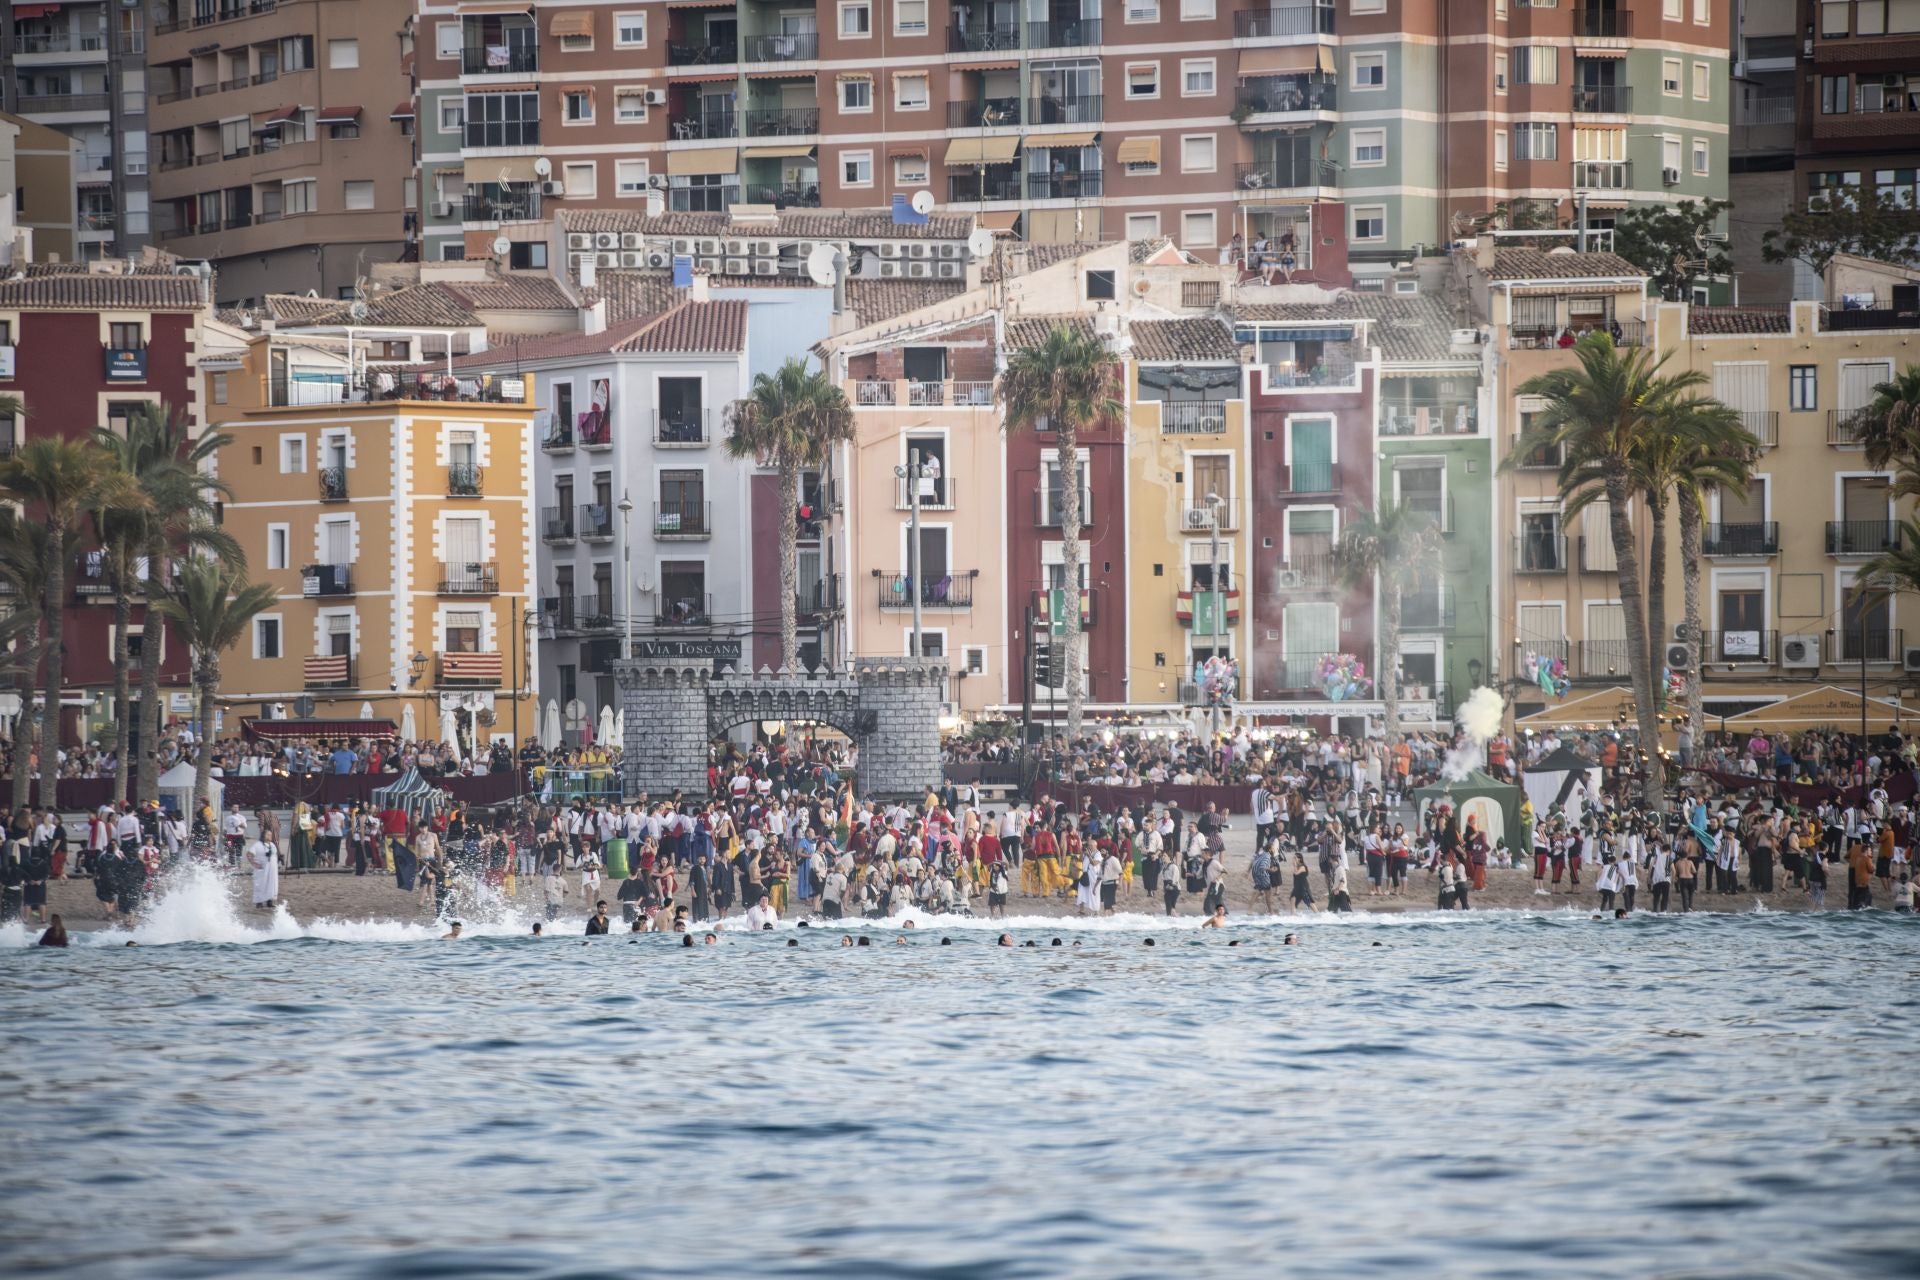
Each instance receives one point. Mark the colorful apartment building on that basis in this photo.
(399, 537)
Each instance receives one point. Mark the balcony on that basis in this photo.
(705, 124)
(981, 38)
(1050, 607)
(1284, 20)
(469, 578)
(558, 437)
(1547, 337)
(1408, 418)
(1763, 425)
(801, 47)
(1602, 24)
(1313, 477)
(1847, 428)
(499, 60)
(1309, 571)
(1604, 659)
(1540, 553)
(331, 672)
(1286, 95)
(588, 613)
(1300, 673)
(90, 578)
(1603, 99)
(1875, 644)
(1284, 174)
(1074, 33)
(208, 15)
(1192, 417)
(1862, 537)
(700, 55)
(975, 188)
(1428, 611)
(1082, 110)
(815, 600)
(519, 206)
(782, 122)
(682, 521)
(1199, 519)
(683, 428)
(1885, 313)
(987, 113)
(595, 522)
(556, 524)
(1046, 507)
(464, 480)
(1758, 538)
(47, 103)
(679, 609)
(936, 494)
(60, 42)
(471, 670)
(1064, 186)
(1602, 175)
(1739, 648)
(326, 580)
(895, 591)
(333, 484)
(1201, 610)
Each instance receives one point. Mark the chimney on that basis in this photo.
(697, 291)
(588, 264)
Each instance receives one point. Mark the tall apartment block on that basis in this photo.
(1070, 120)
(80, 67)
(279, 153)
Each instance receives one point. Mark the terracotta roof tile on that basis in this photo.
(694, 327)
(876, 300)
(1031, 331)
(512, 293)
(1416, 329)
(298, 308)
(1194, 339)
(1534, 264)
(77, 292)
(1727, 320)
(529, 349)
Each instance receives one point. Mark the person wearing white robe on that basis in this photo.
(1087, 895)
(264, 860)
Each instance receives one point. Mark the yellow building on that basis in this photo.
(398, 536)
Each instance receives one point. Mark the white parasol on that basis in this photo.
(550, 726)
(605, 731)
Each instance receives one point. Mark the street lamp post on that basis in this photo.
(1219, 597)
(626, 574)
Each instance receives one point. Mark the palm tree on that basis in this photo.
(1062, 384)
(211, 604)
(1889, 427)
(1398, 548)
(23, 571)
(61, 480)
(1600, 414)
(170, 466)
(791, 421)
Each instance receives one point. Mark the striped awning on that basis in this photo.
(791, 151)
(999, 220)
(331, 670)
(995, 150)
(1291, 59)
(1061, 140)
(1138, 151)
(571, 24)
(703, 162)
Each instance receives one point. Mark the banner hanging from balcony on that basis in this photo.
(596, 424)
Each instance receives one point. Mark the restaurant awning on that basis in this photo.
(1292, 59)
(571, 24)
(704, 162)
(996, 150)
(778, 153)
(1601, 708)
(1824, 706)
(500, 169)
(338, 115)
(1138, 151)
(998, 220)
(1061, 140)
(402, 112)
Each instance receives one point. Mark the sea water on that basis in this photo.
(1493, 1094)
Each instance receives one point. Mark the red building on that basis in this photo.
(81, 349)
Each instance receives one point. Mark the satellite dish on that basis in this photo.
(980, 243)
(543, 167)
(358, 311)
(820, 264)
(502, 246)
(923, 202)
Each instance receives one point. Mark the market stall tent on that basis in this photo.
(1822, 707)
(1494, 805)
(1552, 780)
(176, 792)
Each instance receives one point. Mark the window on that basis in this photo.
(1534, 141)
(503, 119)
(1143, 11)
(1197, 153)
(630, 106)
(296, 53)
(1369, 6)
(528, 255)
(630, 177)
(1803, 388)
(1369, 70)
(1833, 19)
(219, 386)
(293, 455)
(909, 17)
(1197, 229)
(1143, 80)
(343, 55)
(1833, 95)
(447, 39)
(578, 106)
(909, 171)
(1499, 148)
(1670, 154)
(453, 115)
(1700, 156)
(1370, 222)
(856, 168)
(581, 178)
(452, 251)
(1143, 226)
(1536, 64)
(357, 195)
(1100, 286)
(344, 131)
(1369, 148)
(910, 92)
(460, 631)
(126, 335)
(856, 21)
(1670, 77)
(973, 659)
(1197, 78)
(279, 537)
(1670, 10)
(1702, 82)
(581, 43)
(1197, 10)
(1702, 12)
(630, 30)
(856, 95)
(266, 637)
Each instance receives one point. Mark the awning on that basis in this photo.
(1826, 706)
(777, 71)
(702, 163)
(279, 116)
(700, 4)
(777, 153)
(998, 150)
(1138, 151)
(338, 115)
(402, 112)
(702, 75)
(502, 169)
(1588, 51)
(908, 149)
(854, 75)
(571, 24)
(261, 727)
(1286, 60)
(998, 64)
(35, 10)
(999, 220)
(1060, 140)
(497, 6)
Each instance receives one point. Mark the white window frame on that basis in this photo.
(852, 157)
(1702, 13)
(968, 652)
(577, 43)
(304, 460)
(1501, 76)
(1198, 10)
(1700, 157)
(926, 95)
(625, 94)
(458, 106)
(1126, 80)
(1671, 10)
(1371, 59)
(1195, 241)
(1128, 8)
(910, 171)
(852, 5)
(448, 48)
(1356, 212)
(1333, 433)
(1199, 66)
(1355, 142)
(926, 20)
(620, 182)
(1500, 153)
(1212, 163)
(343, 46)
(1149, 230)
(284, 532)
(576, 189)
(1702, 82)
(1670, 85)
(570, 121)
(867, 110)
(1367, 6)
(280, 636)
(620, 20)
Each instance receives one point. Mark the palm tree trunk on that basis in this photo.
(1690, 603)
(56, 619)
(1389, 661)
(152, 645)
(1639, 667)
(789, 535)
(207, 676)
(122, 728)
(22, 734)
(1657, 588)
(1069, 440)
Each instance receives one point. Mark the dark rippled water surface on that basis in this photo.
(1491, 1096)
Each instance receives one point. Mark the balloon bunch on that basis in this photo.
(1218, 677)
(1550, 674)
(1343, 676)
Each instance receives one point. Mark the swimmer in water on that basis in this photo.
(686, 940)
(1148, 943)
(899, 942)
(846, 939)
(453, 931)
(946, 942)
(1290, 941)
(793, 942)
(1217, 920)
(865, 941)
(1006, 940)
(713, 939)
(536, 929)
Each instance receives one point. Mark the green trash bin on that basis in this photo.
(616, 852)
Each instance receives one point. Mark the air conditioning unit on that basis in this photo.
(659, 259)
(1189, 692)
(559, 189)
(919, 270)
(1466, 337)
(737, 266)
(888, 270)
(579, 261)
(1910, 659)
(628, 258)
(683, 247)
(656, 97)
(919, 249)
(950, 270)
(889, 250)
(579, 240)
(605, 239)
(1679, 657)
(443, 208)
(709, 265)
(950, 250)
(1681, 633)
(609, 259)
(708, 247)
(1291, 579)
(1197, 519)
(737, 248)
(1671, 177)
(765, 267)
(1800, 651)
(632, 240)
(766, 248)
(802, 249)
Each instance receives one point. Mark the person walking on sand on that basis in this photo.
(264, 861)
(1302, 886)
(1686, 876)
(1261, 869)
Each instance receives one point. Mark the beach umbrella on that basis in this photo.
(449, 731)
(550, 726)
(620, 727)
(409, 727)
(606, 724)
